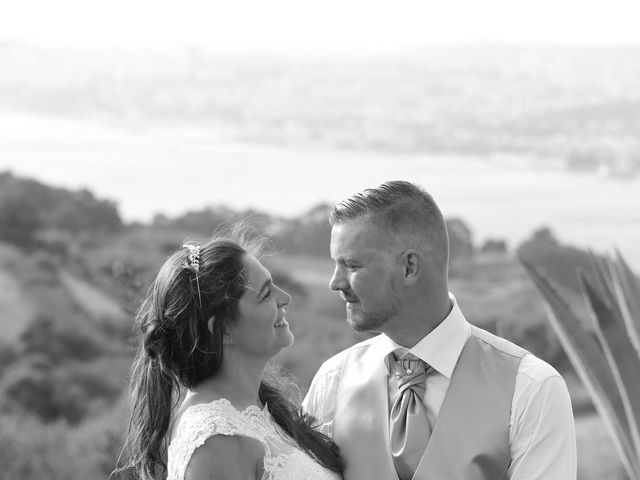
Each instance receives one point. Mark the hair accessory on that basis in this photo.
(194, 261)
(194, 256)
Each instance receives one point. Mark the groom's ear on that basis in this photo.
(412, 264)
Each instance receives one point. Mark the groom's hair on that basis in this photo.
(398, 207)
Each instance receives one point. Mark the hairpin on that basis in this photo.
(194, 261)
(194, 255)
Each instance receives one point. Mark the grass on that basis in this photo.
(16, 309)
(93, 301)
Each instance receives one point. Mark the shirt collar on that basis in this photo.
(442, 347)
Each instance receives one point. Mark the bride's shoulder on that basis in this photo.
(217, 416)
(232, 457)
(213, 432)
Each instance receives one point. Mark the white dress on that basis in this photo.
(283, 459)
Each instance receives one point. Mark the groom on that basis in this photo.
(432, 397)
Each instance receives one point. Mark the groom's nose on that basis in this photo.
(338, 280)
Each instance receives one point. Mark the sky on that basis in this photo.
(247, 25)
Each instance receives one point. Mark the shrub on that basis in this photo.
(33, 450)
(61, 342)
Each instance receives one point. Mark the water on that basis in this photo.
(174, 170)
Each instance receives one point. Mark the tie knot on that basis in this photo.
(409, 368)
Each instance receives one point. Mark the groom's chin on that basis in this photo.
(354, 321)
(366, 322)
(357, 322)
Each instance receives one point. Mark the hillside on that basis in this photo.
(17, 310)
(68, 299)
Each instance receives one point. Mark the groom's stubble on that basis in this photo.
(373, 320)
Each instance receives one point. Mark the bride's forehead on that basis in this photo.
(254, 271)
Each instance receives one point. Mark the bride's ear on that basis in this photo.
(227, 339)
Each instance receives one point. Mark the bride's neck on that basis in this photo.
(238, 382)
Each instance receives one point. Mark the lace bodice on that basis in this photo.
(283, 460)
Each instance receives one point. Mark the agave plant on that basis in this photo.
(606, 357)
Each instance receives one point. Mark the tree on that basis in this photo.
(460, 240)
(19, 220)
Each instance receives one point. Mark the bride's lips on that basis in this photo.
(282, 321)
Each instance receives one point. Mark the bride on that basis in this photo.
(201, 407)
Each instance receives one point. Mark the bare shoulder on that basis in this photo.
(226, 457)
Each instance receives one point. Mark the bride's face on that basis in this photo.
(260, 329)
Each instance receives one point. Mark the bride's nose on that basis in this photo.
(284, 298)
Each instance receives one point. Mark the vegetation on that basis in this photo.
(605, 351)
(68, 304)
(29, 208)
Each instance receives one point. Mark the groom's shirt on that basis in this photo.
(541, 427)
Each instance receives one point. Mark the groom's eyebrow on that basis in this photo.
(346, 260)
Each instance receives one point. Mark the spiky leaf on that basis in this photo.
(627, 290)
(592, 367)
(621, 356)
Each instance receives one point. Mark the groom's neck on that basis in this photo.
(416, 321)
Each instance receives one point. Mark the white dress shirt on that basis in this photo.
(541, 427)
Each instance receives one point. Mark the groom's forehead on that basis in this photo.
(360, 232)
(357, 252)
(367, 241)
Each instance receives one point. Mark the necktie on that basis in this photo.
(408, 423)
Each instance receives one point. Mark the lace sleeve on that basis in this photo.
(201, 422)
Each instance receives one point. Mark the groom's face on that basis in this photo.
(364, 274)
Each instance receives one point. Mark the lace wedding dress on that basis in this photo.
(283, 460)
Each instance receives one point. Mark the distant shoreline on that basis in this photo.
(147, 174)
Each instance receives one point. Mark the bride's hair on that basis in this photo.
(178, 351)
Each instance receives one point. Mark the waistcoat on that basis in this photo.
(470, 438)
